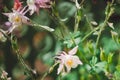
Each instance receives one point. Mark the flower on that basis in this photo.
(4, 76)
(35, 5)
(68, 60)
(17, 18)
(17, 4)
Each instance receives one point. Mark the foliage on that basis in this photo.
(37, 39)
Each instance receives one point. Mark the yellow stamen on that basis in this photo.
(17, 19)
(69, 62)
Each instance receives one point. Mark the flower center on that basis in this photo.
(70, 62)
(17, 19)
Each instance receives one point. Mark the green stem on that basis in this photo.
(109, 12)
(91, 27)
(41, 26)
(49, 71)
(73, 40)
(77, 16)
(85, 37)
(77, 20)
(101, 29)
(119, 59)
(97, 76)
(20, 58)
(56, 18)
(60, 77)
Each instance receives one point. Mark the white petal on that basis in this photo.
(25, 20)
(7, 14)
(76, 60)
(61, 66)
(73, 51)
(68, 68)
(11, 28)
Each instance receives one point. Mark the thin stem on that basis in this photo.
(20, 58)
(49, 71)
(41, 26)
(85, 37)
(56, 18)
(91, 27)
(82, 2)
(108, 14)
(77, 16)
(73, 40)
(101, 29)
(77, 20)
(60, 77)
(119, 59)
(97, 76)
(44, 76)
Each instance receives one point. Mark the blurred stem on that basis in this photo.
(77, 20)
(83, 56)
(56, 18)
(1, 70)
(97, 76)
(41, 26)
(88, 21)
(49, 71)
(109, 11)
(60, 77)
(77, 16)
(86, 36)
(20, 58)
(119, 59)
(73, 40)
(82, 2)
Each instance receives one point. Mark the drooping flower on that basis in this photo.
(4, 76)
(17, 4)
(35, 5)
(68, 60)
(17, 18)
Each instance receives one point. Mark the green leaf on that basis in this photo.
(102, 55)
(66, 9)
(93, 61)
(110, 57)
(118, 67)
(117, 75)
(100, 66)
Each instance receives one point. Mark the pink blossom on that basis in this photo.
(4, 76)
(69, 60)
(17, 18)
(17, 4)
(35, 5)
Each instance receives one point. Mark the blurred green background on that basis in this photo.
(38, 46)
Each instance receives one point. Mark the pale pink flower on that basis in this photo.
(4, 75)
(17, 18)
(35, 5)
(68, 60)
